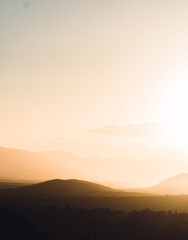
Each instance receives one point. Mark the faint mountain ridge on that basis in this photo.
(173, 185)
(21, 164)
(176, 185)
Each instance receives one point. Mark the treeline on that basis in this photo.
(155, 203)
(55, 223)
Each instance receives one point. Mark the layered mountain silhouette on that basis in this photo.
(177, 185)
(17, 165)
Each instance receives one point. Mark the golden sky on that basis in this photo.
(95, 78)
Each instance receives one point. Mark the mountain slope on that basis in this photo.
(174, 185)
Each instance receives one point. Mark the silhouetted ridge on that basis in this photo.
(70, 187)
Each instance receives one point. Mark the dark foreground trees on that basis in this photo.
(51, 223)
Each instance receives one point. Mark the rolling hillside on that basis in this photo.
(68, 188)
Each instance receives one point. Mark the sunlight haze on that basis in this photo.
(105, 81)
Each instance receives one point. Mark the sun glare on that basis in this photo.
(175, 113)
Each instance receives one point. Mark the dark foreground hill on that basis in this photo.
(71, 188)
(58, 187)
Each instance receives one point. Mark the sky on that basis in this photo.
(95, 78)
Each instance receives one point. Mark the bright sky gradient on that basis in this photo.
(95, 78)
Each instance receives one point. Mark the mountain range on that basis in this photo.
(19, 164)
(177, 185)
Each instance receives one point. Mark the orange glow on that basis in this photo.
(105, 81)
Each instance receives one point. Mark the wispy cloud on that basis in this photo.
(133, 130)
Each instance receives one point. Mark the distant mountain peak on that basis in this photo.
(174, 185)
